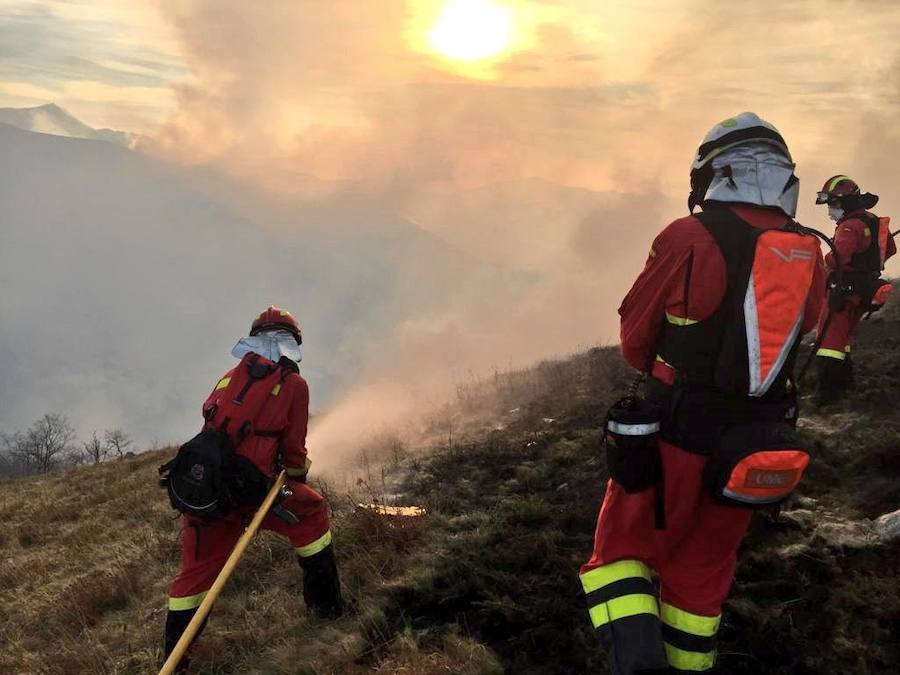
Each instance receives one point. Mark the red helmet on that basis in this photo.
(836, 188)
(275, 317)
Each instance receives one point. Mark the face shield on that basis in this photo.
(271, 345)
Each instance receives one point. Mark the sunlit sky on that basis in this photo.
(595, 94)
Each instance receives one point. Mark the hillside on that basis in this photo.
(486, 582)
(131, 257)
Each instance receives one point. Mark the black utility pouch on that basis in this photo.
(631, 437)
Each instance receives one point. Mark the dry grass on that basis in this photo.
(87, 556)
(487, 582)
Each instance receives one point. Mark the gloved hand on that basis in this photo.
(837, 297)
(299, 474)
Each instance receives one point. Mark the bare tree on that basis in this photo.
(46, 443)
(95, 450)
(9, 462)
(117, 441)
(19, 459)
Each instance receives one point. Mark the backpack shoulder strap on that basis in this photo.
(733, 235)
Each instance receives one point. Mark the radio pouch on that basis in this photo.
(631, 437)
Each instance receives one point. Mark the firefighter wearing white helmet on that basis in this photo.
(715, 318)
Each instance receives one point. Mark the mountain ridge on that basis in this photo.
(54, 120)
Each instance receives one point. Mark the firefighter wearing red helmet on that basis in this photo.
(715, 318)
(863, 243)
(275, 439)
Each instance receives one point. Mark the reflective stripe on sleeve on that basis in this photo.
(189, 602)
(680, 320)
(316, 547)
(632, 429)
(224, 382)
(298, 472)
(832, 354)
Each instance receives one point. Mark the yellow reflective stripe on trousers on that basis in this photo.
(620, 608)
(680, 320)
(190, 602)
(832, 354)
(682, 660)
(695, 624)
(315, 547)
(608, 574)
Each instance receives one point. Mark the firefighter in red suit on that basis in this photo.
(655, 595)
(275, 336)
(863, 243)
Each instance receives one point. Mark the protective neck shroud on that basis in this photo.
(756, 173)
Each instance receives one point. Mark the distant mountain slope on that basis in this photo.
(51, 119)
(124, 287)
(536, 224)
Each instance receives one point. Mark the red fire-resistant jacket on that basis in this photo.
(851, 237)
(660, 289)
(286, 417)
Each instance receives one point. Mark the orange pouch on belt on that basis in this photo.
(755, 465)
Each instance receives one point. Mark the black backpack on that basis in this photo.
(207, 478)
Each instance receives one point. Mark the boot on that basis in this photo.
(321, 585)
(834, 378)
(176, 623)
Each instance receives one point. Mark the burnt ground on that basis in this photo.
(487, 582)
(816, 591)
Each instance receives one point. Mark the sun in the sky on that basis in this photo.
(472, 30)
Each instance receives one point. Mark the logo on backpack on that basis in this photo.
(793, 254)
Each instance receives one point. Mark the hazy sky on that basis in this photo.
(611, 96)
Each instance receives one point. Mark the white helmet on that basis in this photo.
(744, 159)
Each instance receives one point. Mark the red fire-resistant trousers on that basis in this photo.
(206, 546)
(835, 371)
(838, 337)
(655, 596)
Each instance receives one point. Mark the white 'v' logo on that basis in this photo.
(794, 254)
